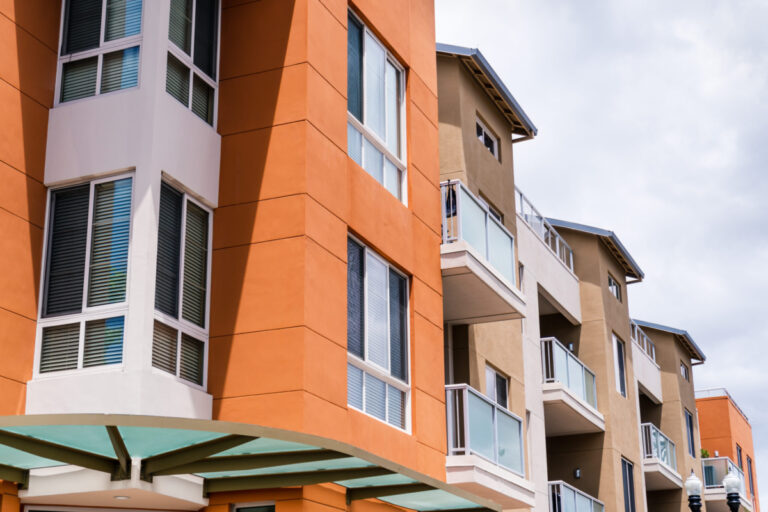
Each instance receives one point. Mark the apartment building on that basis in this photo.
(726, 443)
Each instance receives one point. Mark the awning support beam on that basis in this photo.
(275, 480)
(243, 462)
(381, 491)
(123, 457)
(188, 454)
(13, 474)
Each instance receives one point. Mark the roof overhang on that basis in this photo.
(482, 71)
(611, 241)
(682, 336)
(140, 453)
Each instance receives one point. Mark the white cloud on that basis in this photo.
(653, 122)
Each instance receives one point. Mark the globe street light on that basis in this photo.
(732, 484)
(693, 489)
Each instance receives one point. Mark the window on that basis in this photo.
(487, 138)
(749, 475)
(739, 458)
(192, 57)
(684, 371)
(496, 387)
(375, 105)
(689, 433)
(100, 42)
(620, 366)
(614, 287)
(377, 336)
(181, 286)
(627, 473)
(85, 275)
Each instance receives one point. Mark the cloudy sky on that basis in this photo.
(653, 122)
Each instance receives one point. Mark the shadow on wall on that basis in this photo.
(254, 43)
(26, 94)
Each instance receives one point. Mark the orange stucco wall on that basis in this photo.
(289, 196)
(722, 427)
(29, 31)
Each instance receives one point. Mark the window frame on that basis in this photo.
(685, 372)
(484, 127)
(400, 162)
(373, 368)
(87, 313)
(751, 477)
(614, 286)
(496, 375)
(628, 484)
(104, 48)
(689, 432)
(180, 324)
(189, 62)
(740, 456)
(620, 373)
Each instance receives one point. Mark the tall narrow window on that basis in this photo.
(181, 286)
(496, 387)
(628, 479)
(99, 48)
(684, 372)
(689, 433)
(375, 85)
(377, 336)
(614, 287)
(86, 269)
(193, 30)
(620, 366)
(739, 457)
(749, 475)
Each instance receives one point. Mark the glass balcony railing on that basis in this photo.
(566, 498)
(479, 426)
(544, 229)
(658, 446)
(467, 218)
(560, 365)
(716, 468)
(643, 341)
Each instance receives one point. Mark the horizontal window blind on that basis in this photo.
(355, 386)
(355, 291)
(180, 25)
(103, 342)
(191, 360)
(59, 348)
(164, 347)
(123, 19)
(177, 80)
(78, 79)
(355, 67)
(109, 242)
(202, 99)
(397, 326)
(66, 251)
(120, 70)
(82, 25)
(195, 265)
(206, 25)
(168, 251)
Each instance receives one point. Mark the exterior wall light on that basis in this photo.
(732, 485)
(693, 487)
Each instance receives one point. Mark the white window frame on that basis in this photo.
(180, 324)
(399, 161)
(689, 435)
(491, 370)
(188, 61)
(617, 374)
(88, 313)
(685, 372)
(103, 48)
(614, 287)
(486, 130)
(238, 506)
(371, 367)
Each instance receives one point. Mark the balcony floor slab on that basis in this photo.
(660, 477)
(483, 478)
(565, 414)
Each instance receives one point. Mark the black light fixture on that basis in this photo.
(693, 488)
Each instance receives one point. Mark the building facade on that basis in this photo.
(253, 264)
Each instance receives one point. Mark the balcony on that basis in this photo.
(544, 229)
(647, 370)
(566, 498)
(659, 460)
(715, 470)
(569, 393)
(477, 259)
(485, 448)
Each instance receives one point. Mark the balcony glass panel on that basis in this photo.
(657, 445)
(565, 498)
(560, 365)
(716, 468)
(480, 428)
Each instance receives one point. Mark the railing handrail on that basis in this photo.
(560, 241)
(478, 394)
(729, 465)
(480, 202)
(578, 491)
(648, 346)
(717, 393)
(552, 338)
(672, 453)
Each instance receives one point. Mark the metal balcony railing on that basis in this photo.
(467, 218)
(718, 392)
(643, 341)
(544, 229)
(658, 446)
(715, 469)
(560, 365)
(479, 426)
(566, 498)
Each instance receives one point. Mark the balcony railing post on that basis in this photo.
(467, 445)
(458, 195)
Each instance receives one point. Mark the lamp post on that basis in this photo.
(693, 488)
(732, 484)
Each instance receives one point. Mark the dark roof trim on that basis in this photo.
(611, 240)
(693, 348)
(509, 107)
